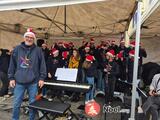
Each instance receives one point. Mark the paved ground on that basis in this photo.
(6, 104)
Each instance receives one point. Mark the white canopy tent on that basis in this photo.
(28, 4)
(96, 19)
(82, 20)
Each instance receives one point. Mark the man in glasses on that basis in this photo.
(27, 71)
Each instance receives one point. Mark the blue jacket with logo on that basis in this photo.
(27, 64)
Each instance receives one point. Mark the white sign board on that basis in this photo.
(66, 74)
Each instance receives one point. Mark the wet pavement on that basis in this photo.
(6, 110)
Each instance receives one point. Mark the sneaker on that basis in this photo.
(86, 102)
(101, 92)
(49, 98)
(69, 117)
(140, 110)
(96, 93)
(66, 96)
(45, 96)
(92, 100)
(110, 103)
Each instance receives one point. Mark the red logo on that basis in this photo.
(92, 109)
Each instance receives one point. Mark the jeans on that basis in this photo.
(90, 93)
(44, 90)
(100, 83)
(19, 91)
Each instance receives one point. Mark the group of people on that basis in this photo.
(99, 66)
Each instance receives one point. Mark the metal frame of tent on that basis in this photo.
(94, 30)
(140, 18)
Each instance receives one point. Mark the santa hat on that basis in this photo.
(131, 53)
(113, 41)
(87, 47)
(111, 53)
(91, 40)
(54, 51)
(120, 54)
(132, 44)
(71, 43)
(99, 46)
(44, 45)
(65, 45)
(90, 58)
(60, 42)
(30, 32)
(83, 41)
(65, 54)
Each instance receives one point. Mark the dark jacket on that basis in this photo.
(100, 57)
(52, 65)
(91, 71)
(114, 71)
(142, 53)
(114, 47)
(46, 53)
(65, 62)
(130, 69)
(4, 61)
(122, 69)
(125, 51)
(27, 64)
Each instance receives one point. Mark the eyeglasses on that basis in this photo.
(29, 37)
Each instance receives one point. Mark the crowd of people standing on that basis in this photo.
(28, 66)
(99, 65)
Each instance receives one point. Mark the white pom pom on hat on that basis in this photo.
(30, 32)
(111, 53)
(90, 58)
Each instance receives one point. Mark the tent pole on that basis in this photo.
(49, 18)
(135, 70)
(126, 39)
(65, 19)
(42, 17)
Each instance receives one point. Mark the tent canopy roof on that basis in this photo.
(91, 19)
(151, 27)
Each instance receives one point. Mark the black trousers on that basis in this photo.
(110, 87)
